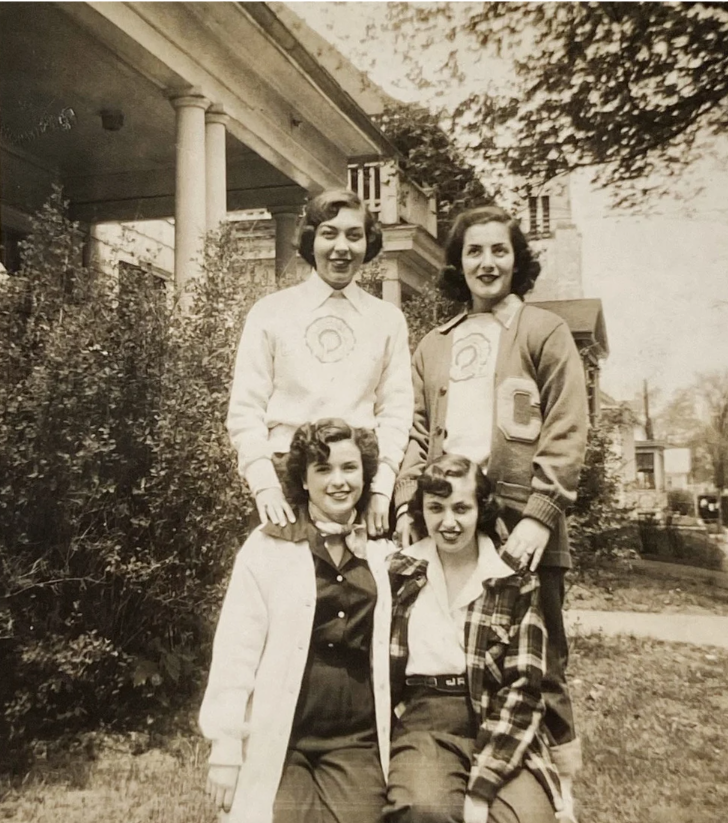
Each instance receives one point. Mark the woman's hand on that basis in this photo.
(273, 507)
(221, 783)
(527, 542)
(404, 534)
(475, 810)
(377, 515)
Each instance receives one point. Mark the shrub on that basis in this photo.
(680, 544)
(598, 527)
(120, 502)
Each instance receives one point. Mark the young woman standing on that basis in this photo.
(503, 384)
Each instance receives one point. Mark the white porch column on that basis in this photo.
(92, 251)
(215, 167)
(391, 284)
(189, 199)
(286, 218)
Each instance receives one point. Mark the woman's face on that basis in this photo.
(452, 521)
(336, 485)
(339, 246)
(488, 260)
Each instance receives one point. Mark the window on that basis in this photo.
(646, 469)
(539, 216)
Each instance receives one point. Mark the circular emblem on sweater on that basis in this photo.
(330, 339)
(469, 357)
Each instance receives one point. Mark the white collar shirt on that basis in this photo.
(436, 630)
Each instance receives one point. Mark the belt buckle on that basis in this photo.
(431, 682)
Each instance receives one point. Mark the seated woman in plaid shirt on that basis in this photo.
(467, 659)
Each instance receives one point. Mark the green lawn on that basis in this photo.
(652, 716)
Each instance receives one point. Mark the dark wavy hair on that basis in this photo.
(310, 444)
(326, 206)
(434, 480)
(526, 268)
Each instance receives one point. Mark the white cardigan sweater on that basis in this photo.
(259, 656)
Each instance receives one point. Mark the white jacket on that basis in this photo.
(259, 656)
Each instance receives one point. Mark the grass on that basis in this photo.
(651, 715)
(113, 779)
(617, 587)
(653, 720)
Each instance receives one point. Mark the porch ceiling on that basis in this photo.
(90, 57)
(55, 80)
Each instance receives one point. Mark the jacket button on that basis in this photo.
(443, 391)
(438, 431)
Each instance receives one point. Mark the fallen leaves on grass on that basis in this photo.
(652, 720)
(651, 715)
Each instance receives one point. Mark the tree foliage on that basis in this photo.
(697, 417)
(630, 88)
(120, 502)
(431, 158)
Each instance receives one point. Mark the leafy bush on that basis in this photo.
(680, 544)
(120, 502)
(598, 527)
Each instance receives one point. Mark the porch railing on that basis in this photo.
(392, 198)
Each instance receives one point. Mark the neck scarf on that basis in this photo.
(354, 534)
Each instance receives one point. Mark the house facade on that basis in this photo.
(179, 112)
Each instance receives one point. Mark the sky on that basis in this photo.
(662, 279)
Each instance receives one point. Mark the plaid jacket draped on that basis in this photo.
(505, 647)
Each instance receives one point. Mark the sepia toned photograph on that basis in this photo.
(340, 340)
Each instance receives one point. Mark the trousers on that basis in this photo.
(432, 750)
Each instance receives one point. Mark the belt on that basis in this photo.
(446, 683)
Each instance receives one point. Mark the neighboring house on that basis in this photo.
(648, 469)
(548, 221)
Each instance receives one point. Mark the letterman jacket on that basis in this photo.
(539, 426)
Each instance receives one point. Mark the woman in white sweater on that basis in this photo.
(297, 704)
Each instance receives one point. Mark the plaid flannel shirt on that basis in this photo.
(505, 646)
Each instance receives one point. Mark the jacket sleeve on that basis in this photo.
(393, 407)
(516, 710)
(415, 456)
(251, 390)
(562, 440)
(239, 640)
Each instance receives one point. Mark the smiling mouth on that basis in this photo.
(450, 537)
(339, 263)
(339, 495)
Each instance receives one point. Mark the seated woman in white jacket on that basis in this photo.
(298, 703)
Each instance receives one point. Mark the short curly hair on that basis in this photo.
(311, 444)
(434, 480)
(326, 206)
(526, 268)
